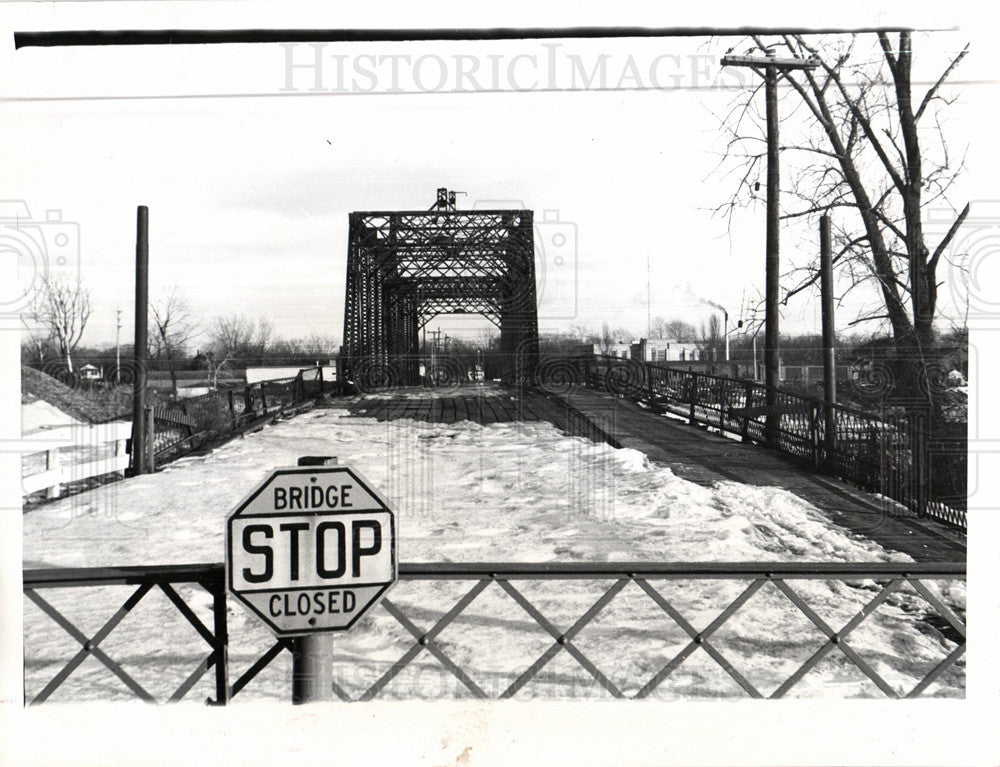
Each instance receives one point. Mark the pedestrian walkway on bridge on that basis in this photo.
(705, 456)
(693, 453)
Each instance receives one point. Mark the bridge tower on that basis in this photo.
(406, 267)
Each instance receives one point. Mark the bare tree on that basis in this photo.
(711, 336)
(36, 346)
(876, 156)
(680, 331)
(319, 346)
(606, 340)
(63, 309)
(609, 337)
(658, 327)
(173, 328)
(236, 338)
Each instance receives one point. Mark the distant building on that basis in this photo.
(665, 350)
(91, 372)
(616, 349)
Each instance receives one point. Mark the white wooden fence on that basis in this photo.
(71, 454)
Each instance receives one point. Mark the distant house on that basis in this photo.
(665, 350)
(91, 372)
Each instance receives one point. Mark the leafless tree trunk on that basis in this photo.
(173, 329)
(869, 164)
(63, 308)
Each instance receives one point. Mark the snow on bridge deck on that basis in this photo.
(693, 453)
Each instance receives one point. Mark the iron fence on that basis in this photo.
(178, 429)
(887, 452)
(871, 585)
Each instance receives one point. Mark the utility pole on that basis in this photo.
(118, 346)
(649, 301)
(769, 65)
(829, 353)
(140, 462)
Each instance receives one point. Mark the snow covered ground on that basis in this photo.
(41, 415)
(465, 492)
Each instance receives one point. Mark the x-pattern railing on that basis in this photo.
(890, 576)
(210, 577)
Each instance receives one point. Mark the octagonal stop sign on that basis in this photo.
(311, 549)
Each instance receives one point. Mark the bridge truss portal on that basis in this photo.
(405, 268)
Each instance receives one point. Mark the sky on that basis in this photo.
(250, 172)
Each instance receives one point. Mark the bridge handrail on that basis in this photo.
(890, 577)
(887, 452)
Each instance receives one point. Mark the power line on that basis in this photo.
(103, 37)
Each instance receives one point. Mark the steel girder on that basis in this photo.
(404, 268)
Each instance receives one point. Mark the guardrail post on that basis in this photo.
(814, 436)
(919, 465)
(119, 450)
(747, 404)
(263, 399)
(232, 406)
(692, 396)
(722, 409)
(322, 385)
(51, 463)
(248, 401)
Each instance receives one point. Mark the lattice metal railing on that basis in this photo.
(145, 579)
(562, 635)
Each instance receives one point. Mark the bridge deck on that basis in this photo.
(704, 456)
(484, 404)
(693, 453)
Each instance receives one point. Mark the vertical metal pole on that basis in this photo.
(829, 352)
(312, 668)
(221, 644)
(150, 440)
(312, 654)
(747, 404)
(118, 346)
(725, 331)
(139, 350)
(771, 317)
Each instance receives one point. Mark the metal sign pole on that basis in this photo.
(312, 668)
(312, 654)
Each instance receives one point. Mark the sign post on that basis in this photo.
(310, 551)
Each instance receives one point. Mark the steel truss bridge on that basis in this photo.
(404, 268)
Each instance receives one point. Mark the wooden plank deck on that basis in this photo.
(705, 457)
(691, 452)
(481, 404)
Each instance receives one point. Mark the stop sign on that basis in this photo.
(311, 549)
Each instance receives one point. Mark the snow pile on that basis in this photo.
(503, 492)
(41, 415)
